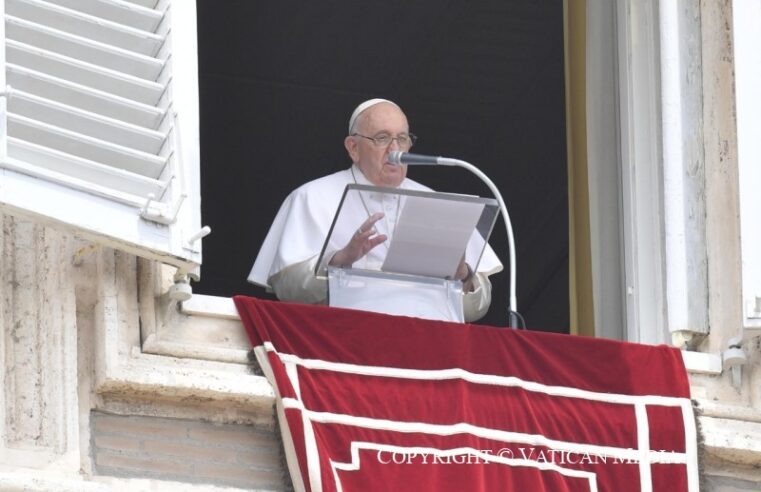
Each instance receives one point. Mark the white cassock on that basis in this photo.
(288, 257)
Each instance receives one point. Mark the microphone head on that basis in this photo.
(395, 157)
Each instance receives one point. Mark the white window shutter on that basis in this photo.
(99, 121)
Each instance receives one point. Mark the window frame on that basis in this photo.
(746, 22)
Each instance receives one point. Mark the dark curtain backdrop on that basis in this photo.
(480, 81)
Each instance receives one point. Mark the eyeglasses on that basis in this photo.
(405, 140)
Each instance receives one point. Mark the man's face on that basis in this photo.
(372, 160)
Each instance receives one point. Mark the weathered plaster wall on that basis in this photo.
(38, 348)
(190, 450)
(72, 348)
(731, 419)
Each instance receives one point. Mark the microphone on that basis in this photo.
(398, 157)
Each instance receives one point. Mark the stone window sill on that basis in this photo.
(222, 308)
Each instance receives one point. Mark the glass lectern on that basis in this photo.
(411, 273)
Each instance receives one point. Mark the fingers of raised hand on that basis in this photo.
(370, 222)
(374, 241)
(362, 235)
(367, 228)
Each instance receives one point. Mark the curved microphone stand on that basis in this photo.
(515, 320)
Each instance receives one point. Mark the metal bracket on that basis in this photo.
(189, 244)
(158, 212)
(7, 92)
(180, 291)
(734, 359)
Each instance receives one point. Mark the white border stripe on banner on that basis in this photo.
(642, 455)
(310, 443)
(290, 450)
(629, 455)
(457, 373)
(691, 447)
(355, 463)
(643, 445)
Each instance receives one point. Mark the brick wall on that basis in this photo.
(184, 450)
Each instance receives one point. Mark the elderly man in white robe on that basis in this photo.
(288, 258)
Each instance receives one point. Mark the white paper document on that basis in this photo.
(431, 236)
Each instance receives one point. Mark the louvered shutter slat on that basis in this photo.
(83, 24)
(91, 174)
(86, 147)
(150, 4)
(84, 73)
(99, 102)
(82, 48)
(86, 123)
(128, 14)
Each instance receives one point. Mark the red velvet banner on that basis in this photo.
(375, 402)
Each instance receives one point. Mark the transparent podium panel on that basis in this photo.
(412, 272)
(427, 233)
(401, 295)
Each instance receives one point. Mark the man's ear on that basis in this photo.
(351, 147)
